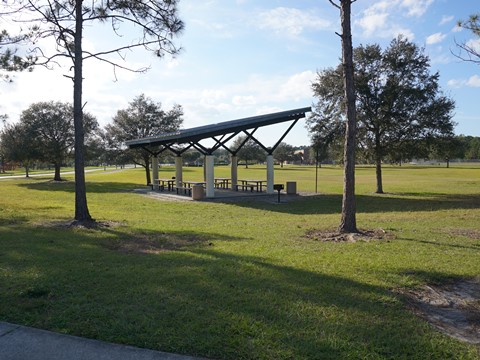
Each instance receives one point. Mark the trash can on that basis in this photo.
(198, 192)
(291, 187)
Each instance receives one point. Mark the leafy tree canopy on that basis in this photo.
(398, 101)
(142, 118)
(248, 150)
(49, 126)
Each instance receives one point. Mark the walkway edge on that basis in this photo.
(19, 342)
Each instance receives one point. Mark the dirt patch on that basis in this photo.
(452, 308)
(155, 243)
(469, 233)
(362, 235)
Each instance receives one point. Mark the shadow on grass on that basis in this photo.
(201, 301)
(318, 204)
(332, 204)
(448, 245)
(69, 186)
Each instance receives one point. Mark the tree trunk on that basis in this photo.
(81, 209)
(378, 162)
(57, 173)
(378, 173)
(27, 168)
(348, 222)
(147, 170)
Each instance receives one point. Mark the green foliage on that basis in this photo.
(472, 147)
(9, 59)
(142, 118)
(17, 144)
(399, 103)
(248, 150)
(239, 280)
(284, 152)
(52, 131)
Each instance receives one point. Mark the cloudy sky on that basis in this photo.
(247, 57)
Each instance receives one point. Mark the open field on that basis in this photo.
(241, 280)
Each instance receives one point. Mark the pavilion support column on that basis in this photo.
(234, 171)
(270, 176)
(155, 172)
(178, 171)
(210, 176)
(205, 168)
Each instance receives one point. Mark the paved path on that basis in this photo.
(6, 177)
(25, 343)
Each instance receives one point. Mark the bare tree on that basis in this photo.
(348, 223)
(469, 51)
(64, 21)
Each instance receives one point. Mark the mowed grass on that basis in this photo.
(241, 280)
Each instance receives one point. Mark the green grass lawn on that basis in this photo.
(241, 280)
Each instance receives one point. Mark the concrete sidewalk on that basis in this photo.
(23, 343)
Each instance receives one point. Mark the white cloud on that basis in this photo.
(455, 83)
(372, 22)
(298, 86)
(435, 38)
(446, 19)
(416, 7)
(239, 100)
(440, 59)
(383, 18)
(376, 20)
(474, 44)
(457, 28)
(256, 95)
(291, 21)
(473, 81)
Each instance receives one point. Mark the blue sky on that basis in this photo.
(247, 57)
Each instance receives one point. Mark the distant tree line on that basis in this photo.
(456, 148)
(43, 138)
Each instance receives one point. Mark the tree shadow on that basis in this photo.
(92, 187)
(443, 244)
(197, 300)
(332, 203)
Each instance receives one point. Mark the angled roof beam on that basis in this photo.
(234, 153)
(285, 134)
(267, 150)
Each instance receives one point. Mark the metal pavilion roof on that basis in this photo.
(193, 135)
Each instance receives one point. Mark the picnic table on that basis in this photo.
(165, 183)
(222, 183)
(251, 184)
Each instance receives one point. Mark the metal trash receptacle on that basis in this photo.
(291, 187)
(198, 192)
